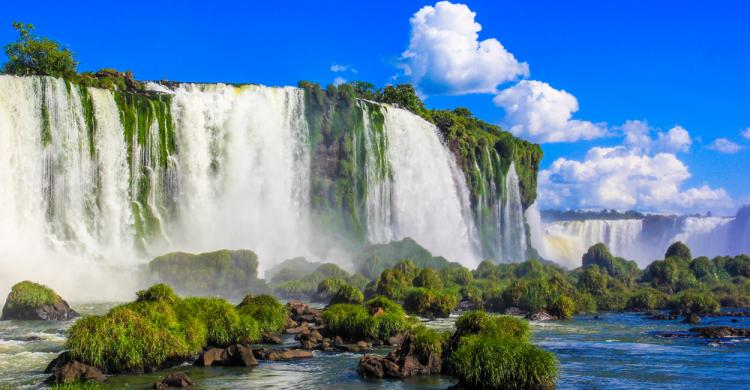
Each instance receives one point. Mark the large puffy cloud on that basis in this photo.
(623, 178)
(638, 136)
(723, 145)
(445, 55)
(535, 110)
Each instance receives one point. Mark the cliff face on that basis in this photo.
(126, 164)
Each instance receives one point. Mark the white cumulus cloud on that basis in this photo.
(723, 145)
(535, 110)
(638, 135)
(339, 80)
(445, 55)
(746, 133)
(623, 178)
(337, 68)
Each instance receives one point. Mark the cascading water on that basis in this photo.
(513, 248)
(425, 197)
(566, 241)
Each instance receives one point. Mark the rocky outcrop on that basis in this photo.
(73, 371)
(174, 380)
(32, 301)
(301, 313)
(233, 356)
(719, 332)
(281, 354)
(402, 363)
(692, 319)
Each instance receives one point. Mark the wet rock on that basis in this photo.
(662, 317)
(281, 354)
(735, 320)
(73, 371)
(360, 346)
(301, 312)
(209, 357)
(376, 366)
(541, 315)
(297, 330)
(692, 318)
(718, 332)
(404, 362)
(397, 339)
(174, 380)
(270, 338)
(19, 306)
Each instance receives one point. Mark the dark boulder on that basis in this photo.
(402, 363)
(376, 366)
(719, 332)
(174, 380)
(270, 338)
(73, 371)
(209, 357)
(233, 356)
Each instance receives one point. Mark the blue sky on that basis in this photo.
(668, 64)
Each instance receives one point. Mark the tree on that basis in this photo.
(678, 249)
(31, 55)
(405, 96)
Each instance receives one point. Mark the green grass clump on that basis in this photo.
(347, 294)
(428, 340)
(347, 320)
(158, 329)
(695, 302)
(270, 314)
(157, 293)
(32, 295)
(563, 307)
(430, 303)
(486, 362)
(476, 322)
(76, 386)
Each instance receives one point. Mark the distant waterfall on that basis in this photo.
(425, 196)
(566, 241)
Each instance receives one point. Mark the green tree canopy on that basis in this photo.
(31, 55)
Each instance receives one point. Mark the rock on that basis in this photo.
(735, 320)
(514, 311)
(662, 317)
(32, 301)
(209, 357)
(360, 346)
(174, 380)
(74, 371)
(718, 332)
(692, 318)
(397, 339)
(281, 354)
(301, 312)
(297, 330)
(401, 363)
(376, 366)
(238, 356)
(270, 338)
(541, 315)
(58, 361)
(596, 317)
(338, 340)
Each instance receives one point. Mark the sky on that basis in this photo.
(637, 104)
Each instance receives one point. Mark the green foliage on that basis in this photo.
(698, 302)
(625, 271)
(224, 323)
(347, 294)
(347, 320)
(486, 362)
(563, 307)
(430, 303)
(378, 319)
(38, 56)
(500, 326)
(157, 293)
(679, 250)
(270, 314)
(31, 295)
(227, 273)
(646, 299)
(374, 259)
(429, 279)
(428, 340)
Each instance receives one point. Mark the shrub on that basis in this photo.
(384, 326)
(646, 299)
(428, 340)
(563, 307)
(224, 324)
(381, 302)
(430, 303)
(328, 287)
(157, 293)
(266, 310)
(347, 320)
(458, 275)
(679, 250)
(695, 302)
(486, 362)
(428, 278)
(347, 294)
(479, 322)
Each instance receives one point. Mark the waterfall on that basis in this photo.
(512, 220)
(566, 241)
(378, 179)
(425, 197)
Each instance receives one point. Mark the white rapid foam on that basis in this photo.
(428, 198)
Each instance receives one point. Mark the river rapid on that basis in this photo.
(614, 351)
